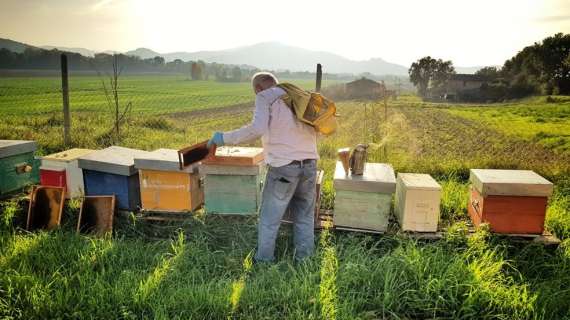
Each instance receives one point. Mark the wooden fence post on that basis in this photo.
(65, 94)
(319, 77)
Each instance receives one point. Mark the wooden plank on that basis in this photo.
(96, 215)
(510, 183)
(235, 156)
(45, 208)
(377, 177)
(194, 154)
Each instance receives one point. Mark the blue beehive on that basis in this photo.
(112, 171)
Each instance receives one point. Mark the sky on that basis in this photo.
(470, 33)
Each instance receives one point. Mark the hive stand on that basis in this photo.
(18, 168)
(164, 186)
(233, 187)
(112, 171)
(62, 170)
(510, 201)
(417, 201)
(363, 202)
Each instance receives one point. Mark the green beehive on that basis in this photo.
(18, 167)
(364, 201)
(232, 189)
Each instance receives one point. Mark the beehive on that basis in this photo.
(164, 187)
(417, 202)
(511, 201)
(18, 168)
(62, 170)
(234, 187)
(112, 171)
(364, 201)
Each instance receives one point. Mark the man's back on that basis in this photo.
(284, 138)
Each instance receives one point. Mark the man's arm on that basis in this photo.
(260, 123)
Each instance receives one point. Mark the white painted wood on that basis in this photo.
(363, 210)
(417, 202)
(377, 177)
(115, 160)
(10, 148)
(510, 183)
(162, 160)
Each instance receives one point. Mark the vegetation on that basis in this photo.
(429, 73)
(202, 268)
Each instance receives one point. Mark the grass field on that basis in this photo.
(201, 269)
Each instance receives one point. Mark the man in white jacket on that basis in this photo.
(290, 149)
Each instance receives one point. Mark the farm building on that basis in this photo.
(364, 88)
(460, 85)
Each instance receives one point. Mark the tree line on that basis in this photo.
(41, 59)
(542, 68)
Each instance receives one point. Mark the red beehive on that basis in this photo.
(510, 201)
(53, 177)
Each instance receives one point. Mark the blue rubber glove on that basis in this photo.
(217, 139)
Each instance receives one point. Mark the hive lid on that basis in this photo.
(236, 156)
(13, 147)
(510, 183)
(225, 170)
(377, 177)
(115, 160)
(418, 181)
(68, 155)
(162, 160)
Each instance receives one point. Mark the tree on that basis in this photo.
(119, 111)
(236, 74)
(491, 73)
(429, 73)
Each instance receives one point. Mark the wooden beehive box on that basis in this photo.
(510, 201)
(417, 202)
(62, 170)
(164, 186)
(18, 168)
(364, 202)
(112, 171)
(233, 187)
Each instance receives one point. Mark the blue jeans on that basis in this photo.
(291, 186)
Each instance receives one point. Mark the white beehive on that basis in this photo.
(417, 202)
(68, 161)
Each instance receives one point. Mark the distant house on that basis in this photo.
(364, 88)
(461, 85)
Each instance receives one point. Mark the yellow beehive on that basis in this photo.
(164, 187)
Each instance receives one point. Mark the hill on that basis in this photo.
(14, 46)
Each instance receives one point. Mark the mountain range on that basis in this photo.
(264, 55)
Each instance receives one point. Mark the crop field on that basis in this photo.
(202, 268)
